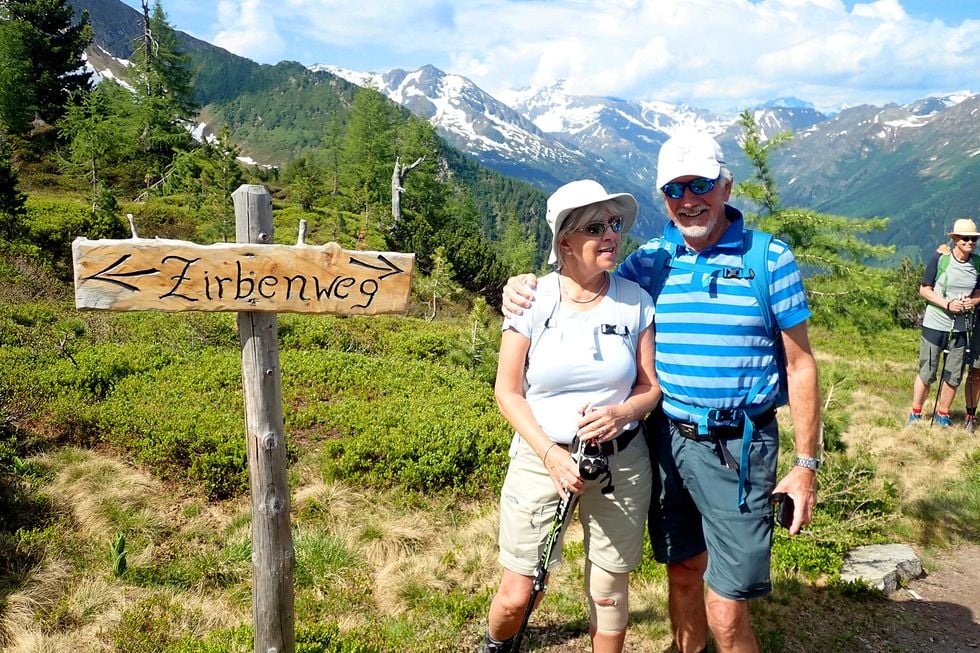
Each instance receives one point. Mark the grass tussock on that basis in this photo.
(40, 591)
(106, 496)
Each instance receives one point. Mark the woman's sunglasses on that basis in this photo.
(969, 239)
(598, 228)
(675, 189)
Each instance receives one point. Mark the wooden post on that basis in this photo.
(256, 279)
(273, 556)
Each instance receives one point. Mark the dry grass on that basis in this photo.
(40, 592)
(72, 606)
(105, 496)
(917, 458)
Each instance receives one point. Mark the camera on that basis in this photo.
(782, 504)
(592, 463)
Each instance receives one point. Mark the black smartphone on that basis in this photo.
(782, 504)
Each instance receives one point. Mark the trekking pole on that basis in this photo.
(968, 363)
(942, 371)
(968, 323)
(558, 524)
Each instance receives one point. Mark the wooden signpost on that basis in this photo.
(172, 275)
(257, 279)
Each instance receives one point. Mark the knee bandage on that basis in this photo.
(608, 597)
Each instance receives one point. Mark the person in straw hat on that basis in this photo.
(578, 365)
(950, 286)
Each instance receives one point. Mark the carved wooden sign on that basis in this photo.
(139, 274)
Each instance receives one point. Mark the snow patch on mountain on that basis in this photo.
(352, 76)
(102, 65)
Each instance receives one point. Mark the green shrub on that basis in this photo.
(376, 335)
(323, 225)
(162, 218)
(854, 507)
(416, 424)
(53, 224)
(326, 638)
(185, 418)
(152, 625)
(240, 639)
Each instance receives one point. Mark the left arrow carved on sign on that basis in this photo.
(104, 275)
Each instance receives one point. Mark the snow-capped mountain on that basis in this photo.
(917, 164)
(626, 134)
(470, 118)
(504, 138)
(898, 156)
(548, 136)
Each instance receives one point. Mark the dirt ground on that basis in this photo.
(946, 602)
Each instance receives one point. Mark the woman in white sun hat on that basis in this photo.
(579, 363)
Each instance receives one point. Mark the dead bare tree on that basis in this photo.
(397, 178)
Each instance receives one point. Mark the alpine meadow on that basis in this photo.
(125, 512)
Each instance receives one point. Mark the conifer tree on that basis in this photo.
(761, 188)
(40, 59)
(221, 174)
(11, 199)
(304, 174)
(332, 141)
(831, 249)
(164, 92)
(162, 66)
(516, 247)
(96, 130)
(425, 192)
(369, 148)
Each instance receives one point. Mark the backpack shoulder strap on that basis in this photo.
(756, 259)
(941, 266)
(660, 267)
(546, 300)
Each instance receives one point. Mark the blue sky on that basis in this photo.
(713, 54)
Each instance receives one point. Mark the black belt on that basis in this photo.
(728, 432)
(620, 442)
(617, 444)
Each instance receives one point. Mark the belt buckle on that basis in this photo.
(687, 429)
(724, 417)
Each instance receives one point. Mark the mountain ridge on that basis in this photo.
(825, 165)
(863, 161)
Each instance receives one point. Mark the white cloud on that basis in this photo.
(711, 53)
(247, 28)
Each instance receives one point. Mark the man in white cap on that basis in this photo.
(731, 345)
(950, 286)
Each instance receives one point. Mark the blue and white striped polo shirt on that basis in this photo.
(712, 347)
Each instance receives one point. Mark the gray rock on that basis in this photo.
(882, 566)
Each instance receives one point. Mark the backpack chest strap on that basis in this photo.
(718, 271)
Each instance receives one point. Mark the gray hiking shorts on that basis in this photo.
(931, 347)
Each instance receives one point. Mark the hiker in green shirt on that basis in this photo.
(951, 287)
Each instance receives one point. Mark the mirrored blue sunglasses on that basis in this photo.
(675, 189)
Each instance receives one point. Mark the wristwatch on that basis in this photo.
(807, 462)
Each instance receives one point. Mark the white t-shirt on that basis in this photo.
(582, 357)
